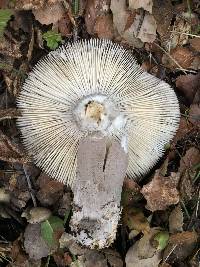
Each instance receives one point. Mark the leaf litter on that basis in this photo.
(164, 37)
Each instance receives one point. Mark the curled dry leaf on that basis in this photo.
(180, 246)
(10, 151)
(161, 192)
(189, 85)
(49, 13)
(145, 4)
(181, 55)
(176, 220)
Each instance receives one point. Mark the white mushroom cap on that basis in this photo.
(94, 86)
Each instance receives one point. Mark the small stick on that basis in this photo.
(30, 187)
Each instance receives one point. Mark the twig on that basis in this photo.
(170, 253)
(30, 187)
(185, 33)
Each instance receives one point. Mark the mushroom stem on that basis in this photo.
(101, 168)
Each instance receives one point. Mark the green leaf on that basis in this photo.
(52, 38)
(5, 15)
(162, 240)
(48, 229)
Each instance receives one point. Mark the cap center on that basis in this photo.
(98, 113)
(94, 110)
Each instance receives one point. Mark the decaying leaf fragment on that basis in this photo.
(143, 253)
(161, 192)
(49, 13)
(10, 151)
(180, 246)
(176, 220)
(188, 85)
(143, 26)
(145, 4)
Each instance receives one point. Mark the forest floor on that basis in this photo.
(158, 228)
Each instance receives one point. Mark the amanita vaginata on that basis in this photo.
(86, 108)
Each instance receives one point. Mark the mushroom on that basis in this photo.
(95, 89)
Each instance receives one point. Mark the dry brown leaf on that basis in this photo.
(65, 26)
(183, 130)
(34, 244)
(195, 44)
(181, 55)
(194, 115)
(130, 193)
(142, 253)
(36, 4)
(147, 32)
(104, 27)
(113, 258)
(10, 151)
(163, 13)
(161, 192)
(145, 4)
(181, 25)
(188, 85)
(94, 9)
(180, 246)
(135, 220)
(120, 14)
(49, 13)
(50, 190)
(176, 220)
(190, 159)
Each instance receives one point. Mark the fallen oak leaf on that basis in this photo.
(161, 192)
